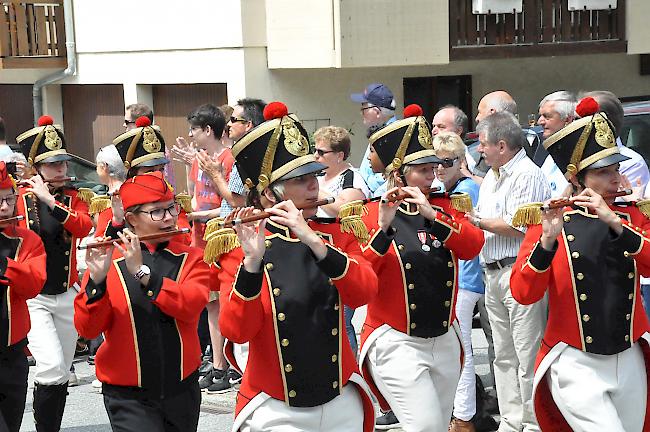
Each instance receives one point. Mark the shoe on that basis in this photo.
(387, 421)
(221, 385)
(73, 381)
(31, 361)
(211, 377)
(81, 349)
(91, 360)
(206, 366)
(458, 425)
(234, 377)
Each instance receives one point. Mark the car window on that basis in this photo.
(636, 134)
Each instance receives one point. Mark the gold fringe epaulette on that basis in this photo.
(185, 201)
(99, 203)
(211, 226)
(528, 214)
(462, 202)
(644, 207)
(351, 222)
(86, 195)
(219, 242)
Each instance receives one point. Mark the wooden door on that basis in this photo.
(93, 116)
(16, 109)
(171, 105)
(432, 93)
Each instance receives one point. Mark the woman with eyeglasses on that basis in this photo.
(22, 276)
(450, 152)
(411, 344)
(146, 298)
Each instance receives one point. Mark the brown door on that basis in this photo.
(16, 109)
(92, 116)
(171, 105)
(432, 93)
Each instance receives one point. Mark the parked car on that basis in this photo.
(636, 128)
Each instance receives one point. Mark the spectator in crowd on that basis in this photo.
(377, 109)
(556, 110)
(341, 181)
(450, 151)
(494, 102)
(5, 150)
(227, 111)
(517, 330)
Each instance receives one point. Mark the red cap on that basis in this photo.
(6, 181)
(145, 188)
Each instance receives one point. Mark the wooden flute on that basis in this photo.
(563, 202)
(264, 215)
(401, 196)
(156, 236)
(62, 179)
(13, 219)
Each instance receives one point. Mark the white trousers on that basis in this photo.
(600, 392)
(517, 331)
(417, 377)
(465, 400)
(53, 337)
(344, 413)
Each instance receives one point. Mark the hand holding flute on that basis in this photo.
(106, 242)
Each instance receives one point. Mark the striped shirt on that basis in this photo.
(519, 182)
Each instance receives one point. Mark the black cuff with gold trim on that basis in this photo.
(334, 264)
(247, 284)
(154, 286)
(60, 213)
(438, 229)
(94, 291)
(541, 258)
(629, 240)
(382, 240)
(112, 230)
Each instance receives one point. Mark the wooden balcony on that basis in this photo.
(32, 34)
(543, 28)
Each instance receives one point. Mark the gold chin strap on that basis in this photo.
(35, 144)
(401, 150)
(267, 163)
(132, 147)
(576, 156)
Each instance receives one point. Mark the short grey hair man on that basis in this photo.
(110, 157)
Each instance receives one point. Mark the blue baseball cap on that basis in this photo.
(376, 94)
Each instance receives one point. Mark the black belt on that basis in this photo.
(498, 265)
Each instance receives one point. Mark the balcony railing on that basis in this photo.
(544, 27)
(32, 34)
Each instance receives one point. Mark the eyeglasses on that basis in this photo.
(128, 122)
(10, 200)
(159, 214)
(321, 152)
(234, 119)
(446, 162)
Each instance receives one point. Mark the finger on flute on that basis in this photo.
(142, 238)
(264, 214)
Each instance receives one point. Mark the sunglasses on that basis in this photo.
(128, 122)
(446, 162)
(321, 152)
(234, 119)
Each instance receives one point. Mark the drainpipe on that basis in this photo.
(37, 91)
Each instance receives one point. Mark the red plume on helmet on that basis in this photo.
(275, 110)
(413, 110)
(142, 121)
(587, 106)
(45, 120)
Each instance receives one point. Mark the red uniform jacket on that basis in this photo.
(59, 229)
(592, 279)
(292, 315)
(22, 276)
(151, 338)
(417, 267)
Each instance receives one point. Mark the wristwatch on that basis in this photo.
(476, 221)
(142, 272)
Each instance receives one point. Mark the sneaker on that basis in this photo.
(206, 366)
(91, 360)
(387, 421)
(212, 377)
(73, 381)
(221, 385)
(234, 377)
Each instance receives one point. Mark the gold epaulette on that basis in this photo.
(644, 207)
(219, 242)
(99, 203)
(350, 218)
(461, 201)
(86, 195)
(185, 201)
(528, 214)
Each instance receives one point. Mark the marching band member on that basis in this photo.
(591, 369)
(59, 215)
(411, 343)
(22, 276)
(284, 289)
(146, 298)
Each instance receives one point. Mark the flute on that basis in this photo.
(62, 179)
(156, 236)
(264, 215)
(12, 219)
(563, 202)
(401, 196)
